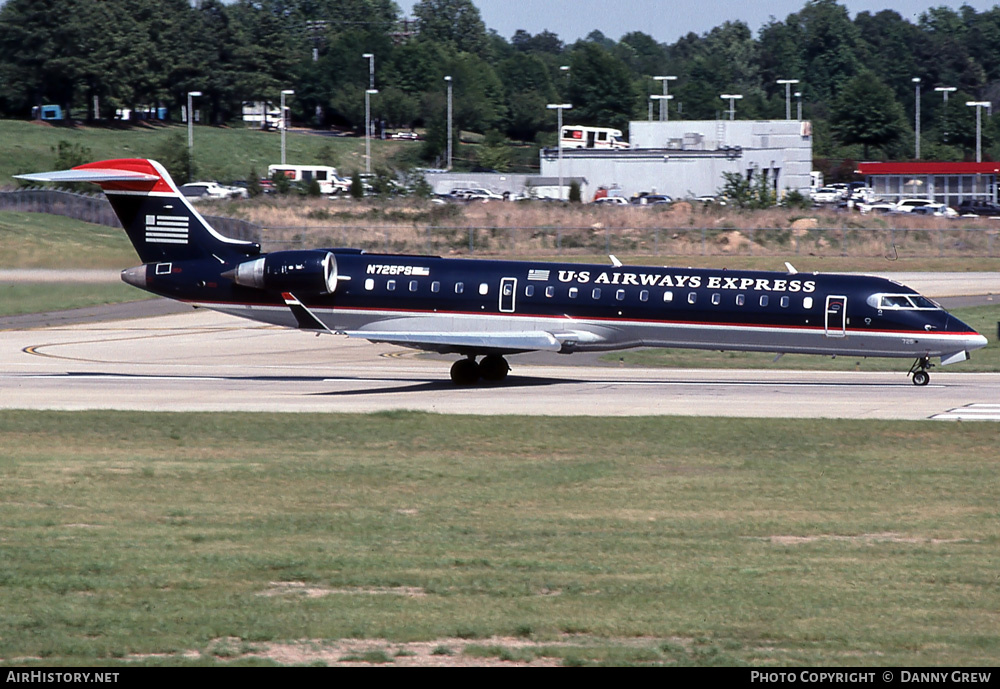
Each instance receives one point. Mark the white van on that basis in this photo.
(578, 136)
(329, 182)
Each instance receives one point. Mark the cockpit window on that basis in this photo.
(910, 302)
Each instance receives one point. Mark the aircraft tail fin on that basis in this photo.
(160, 222)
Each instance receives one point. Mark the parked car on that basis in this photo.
(907, 205)
(477, 194)
(612, 201)
(826, 195)
(936, 209)
(651, 200)
(877, 207)
(406, 136)
(198, 191)
(979, 207)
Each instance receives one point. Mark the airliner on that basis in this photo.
(486, 310)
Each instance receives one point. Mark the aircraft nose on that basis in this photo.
(972, 339)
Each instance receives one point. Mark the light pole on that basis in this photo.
(798, 97)
(448, 79)
(979, 105)
(732, 98)
(190, 116)
(565, 70)
(559, 107)
(788, 96)
(284, 121)
(371, 69)
(665, 107)
(944, 91)
(368, 139)
(916, 115)
(368, 110)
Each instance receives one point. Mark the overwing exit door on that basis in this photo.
(508, 292)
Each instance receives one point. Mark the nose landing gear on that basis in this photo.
(919, 371)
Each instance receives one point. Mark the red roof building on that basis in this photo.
(947, 183)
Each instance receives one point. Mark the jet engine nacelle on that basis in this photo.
(302, 272)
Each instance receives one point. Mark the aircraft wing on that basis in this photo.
(504, 341)
(437, 334)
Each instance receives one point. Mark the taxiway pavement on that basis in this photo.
(206, 361)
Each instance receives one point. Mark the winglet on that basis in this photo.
(305, 318)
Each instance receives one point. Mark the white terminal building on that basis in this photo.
(687, 158)
(682, 159)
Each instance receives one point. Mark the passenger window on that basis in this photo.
(764, 300)
(807, 303)
(741, 299)
(435, 287)
(573, 291)
(716, 299)
(529, 291)
(785, 301)
(369, 284)
(484, 289)
(668, 296)
(390, 285)
(596, 294)
(459, 287)
(692, 297)
(550, 291)
(620, 295)
(413, 285)
(644, 295)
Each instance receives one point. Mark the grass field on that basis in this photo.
(220, 153)
(178, 539)
(40, 240)
(28, 297)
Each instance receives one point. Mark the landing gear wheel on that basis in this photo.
(494, 368)
(919, 371)
(465, 372)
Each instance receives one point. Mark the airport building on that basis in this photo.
(947, 183)
(687, 158)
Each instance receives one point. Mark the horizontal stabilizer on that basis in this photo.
(89, 175)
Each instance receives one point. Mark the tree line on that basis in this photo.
(855, 76)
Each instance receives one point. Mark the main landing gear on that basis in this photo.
(919, 371)
(492, 368)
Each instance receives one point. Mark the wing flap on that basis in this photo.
(529, 340)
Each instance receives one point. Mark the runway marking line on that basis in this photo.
(971, 412)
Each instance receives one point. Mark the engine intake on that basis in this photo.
(304, 272)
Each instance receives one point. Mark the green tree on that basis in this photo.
(454, 22)
(601, 90)
(357, 186)
(866, 112)
(175, 155)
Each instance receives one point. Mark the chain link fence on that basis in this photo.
(95, 208)
(561, 241)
